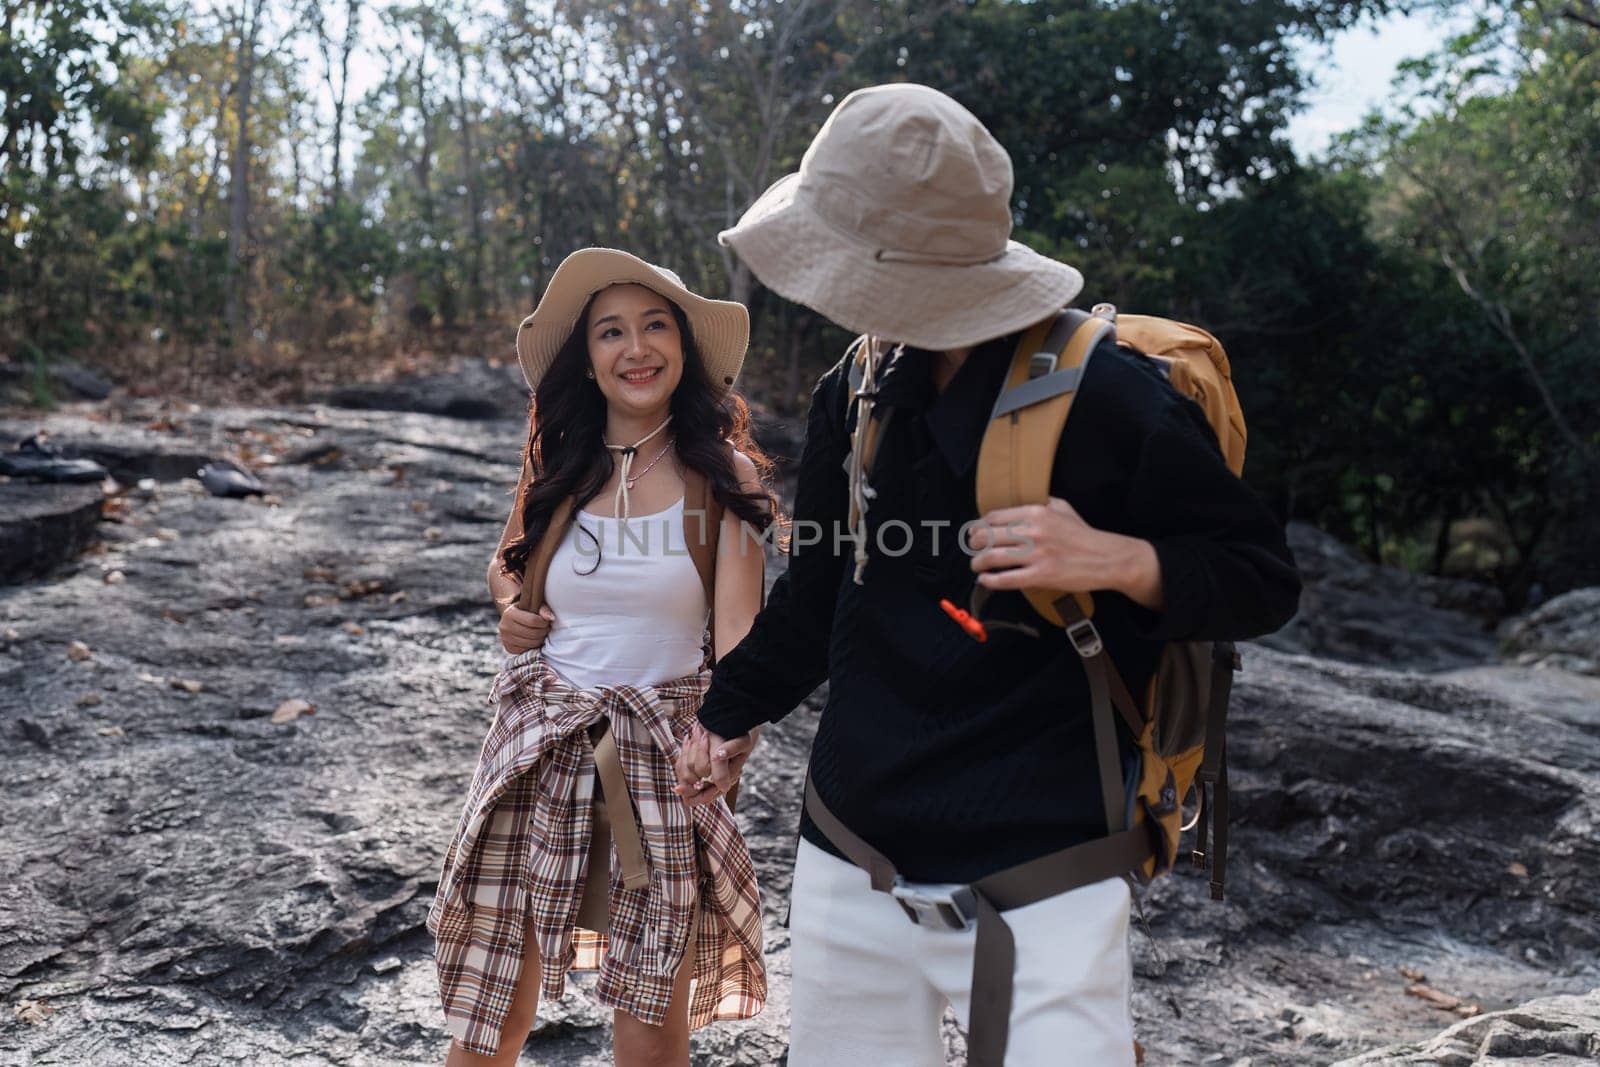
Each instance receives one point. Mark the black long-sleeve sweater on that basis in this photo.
(955, 758)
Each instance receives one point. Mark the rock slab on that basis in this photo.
(1551, 1031)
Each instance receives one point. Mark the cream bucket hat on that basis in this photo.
(898, 225)
(721, 328)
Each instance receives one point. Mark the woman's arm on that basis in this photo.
(740, 581)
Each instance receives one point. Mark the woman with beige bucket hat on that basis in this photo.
(635, 533)
(943, 765)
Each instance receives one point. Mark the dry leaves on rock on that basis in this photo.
(77, 652)
(188, 685)
(292, 709)
(359, 587)
(33, 1012)
(1442, 1000)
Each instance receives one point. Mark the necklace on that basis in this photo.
(626, 478)
(633, 481)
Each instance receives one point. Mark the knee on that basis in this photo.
(642, 1045)
(653, 1054)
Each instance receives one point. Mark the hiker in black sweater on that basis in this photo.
(950, 757)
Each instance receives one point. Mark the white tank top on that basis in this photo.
(629, 606)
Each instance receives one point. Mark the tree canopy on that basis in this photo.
(205, 189)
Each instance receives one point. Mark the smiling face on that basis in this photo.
(635, 349)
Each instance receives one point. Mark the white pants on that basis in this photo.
(870, 986)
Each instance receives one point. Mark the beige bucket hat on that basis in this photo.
(898, 225)
(721, 328)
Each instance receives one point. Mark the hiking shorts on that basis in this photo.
(870, 987)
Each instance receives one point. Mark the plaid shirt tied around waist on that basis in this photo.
(520, 854)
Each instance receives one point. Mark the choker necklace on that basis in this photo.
(634, 480)
(626, 477)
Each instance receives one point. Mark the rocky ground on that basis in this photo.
(237, 735)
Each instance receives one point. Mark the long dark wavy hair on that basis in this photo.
(566, 441)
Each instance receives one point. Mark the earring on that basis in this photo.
(589, 374)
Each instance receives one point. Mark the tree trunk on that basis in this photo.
(352, 21)
(469, 160)
(239, 181)
(1441, 543)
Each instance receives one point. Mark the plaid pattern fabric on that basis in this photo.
(521, 850)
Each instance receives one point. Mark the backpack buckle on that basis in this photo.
(1041, 363)
(936, 906)
(1085, 638)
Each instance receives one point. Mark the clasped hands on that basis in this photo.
(708, 766)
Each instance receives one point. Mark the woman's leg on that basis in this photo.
(519, 1020)
(638, 1044)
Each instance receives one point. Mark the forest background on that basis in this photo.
(195, 202)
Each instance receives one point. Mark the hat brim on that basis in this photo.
(721, 328)
(802, 257)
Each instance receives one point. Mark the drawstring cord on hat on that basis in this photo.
(619, 503)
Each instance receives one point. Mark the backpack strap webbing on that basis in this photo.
(1107, 691)
(994, 960)
(1018, 451)
(1211, 780)
(531, 598)
(702, 528)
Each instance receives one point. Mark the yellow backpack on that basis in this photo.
(1179, 726)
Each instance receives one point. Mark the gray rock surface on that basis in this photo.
(1360, 612)
(1563, 632)
(471, 389)
(1552, 1031)
(43, 524)
(184, 880)
(66, 379)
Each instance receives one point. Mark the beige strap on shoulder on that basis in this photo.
(538, 569)
(1017, 456)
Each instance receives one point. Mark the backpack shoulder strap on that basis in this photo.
(1018, 452)
(533, 575)
(702, 527)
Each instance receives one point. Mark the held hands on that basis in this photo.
(708, 766)
(1049, 546)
